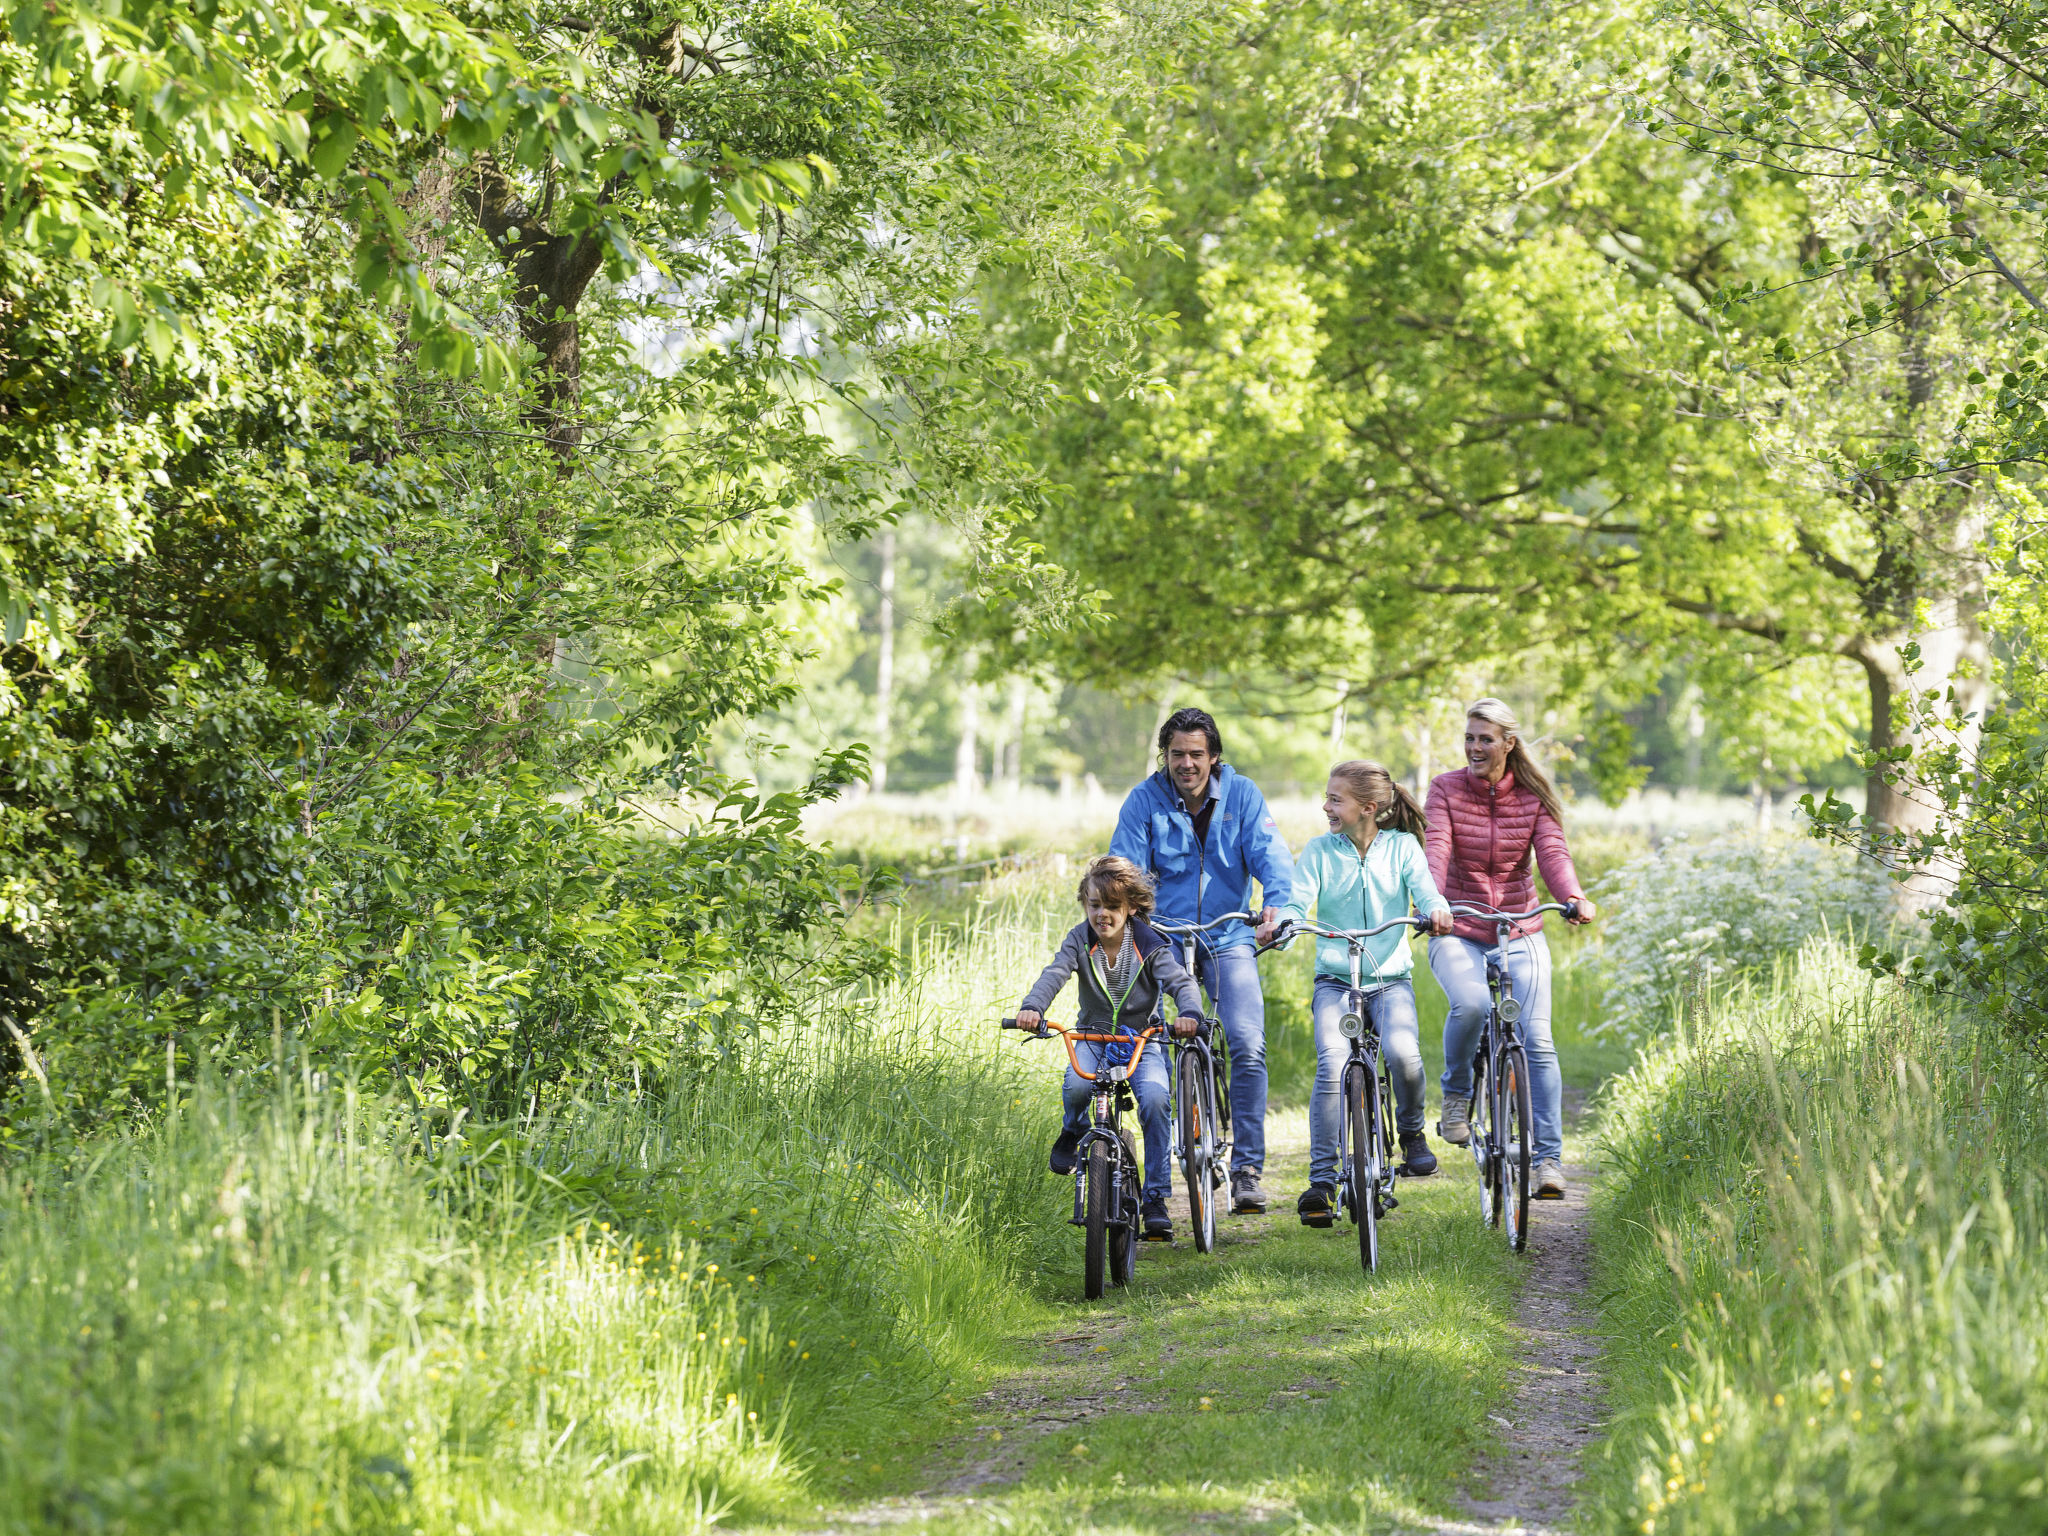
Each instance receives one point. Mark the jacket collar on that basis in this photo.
(1506, 785)
(1219, 785)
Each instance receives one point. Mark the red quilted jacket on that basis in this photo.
(1480, 839)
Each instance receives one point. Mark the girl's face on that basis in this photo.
(1107, 919)
(1486, 747)
(1344, 811)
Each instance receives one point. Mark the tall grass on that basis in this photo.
(279, 1310)
(1826, 1253)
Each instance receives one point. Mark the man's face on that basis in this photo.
(1189, 762)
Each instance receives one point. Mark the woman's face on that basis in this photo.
(1486, 747)
(1107, 920)
(1344, 811)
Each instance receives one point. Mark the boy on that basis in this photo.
(1123, 966)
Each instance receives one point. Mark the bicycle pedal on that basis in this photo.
(1319, 1222)
(1388, 1202)
(1157, 1237)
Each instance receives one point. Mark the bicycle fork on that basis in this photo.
(1118, 1174)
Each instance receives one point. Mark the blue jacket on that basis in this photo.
(1154, 833)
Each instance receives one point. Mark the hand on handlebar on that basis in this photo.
(1187, 1026)
(1440, 921)
(1030, 1018)
(1269, 919)
(1579, 909)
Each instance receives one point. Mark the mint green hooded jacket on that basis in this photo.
(1347, 891)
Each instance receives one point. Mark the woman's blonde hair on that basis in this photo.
(1520, 763)
(1119, 882)
(1371, 784)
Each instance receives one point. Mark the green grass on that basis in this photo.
(1825, 1253)
(275, 1311)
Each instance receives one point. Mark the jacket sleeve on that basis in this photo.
(1266, 853)
(1175, 981)
(1133, 836)
(1308, 884)
(1065, 961)
(1437, 844)
(1421, 887)
(1555, 859)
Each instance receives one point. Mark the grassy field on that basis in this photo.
(1826, 1255)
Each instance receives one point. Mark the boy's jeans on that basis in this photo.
(1460, 969)
(1390, 1007)
(1149, 1087)
(1231, 977)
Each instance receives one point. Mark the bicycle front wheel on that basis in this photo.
(1198, 1147)
(1486, 1142)
(1095, 1223)
(1517, 1118)
(1361, 1110)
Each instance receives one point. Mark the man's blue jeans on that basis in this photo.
(1149, 1087)
(1231, 977)
(1460, 969)
(1390, 1007)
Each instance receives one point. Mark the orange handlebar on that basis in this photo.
(1142, 1039)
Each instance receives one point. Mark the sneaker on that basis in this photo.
(1063, 1150)
(1417, 1161)
(1246, 1197)
(1316, 1204)
(1549, 1179)
(1456, 1124)
(1158, 1225)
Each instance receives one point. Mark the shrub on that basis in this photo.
(1719, 909)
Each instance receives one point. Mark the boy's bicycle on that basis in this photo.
(1108, 1178)
(1365, 1133)
(1201, 1098)
(1503, 1111)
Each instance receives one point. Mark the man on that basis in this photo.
(1203, 832)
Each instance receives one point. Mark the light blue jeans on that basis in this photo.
(1149, 1087)
(1391, 1008)
(1459, 966)
(1231, 977)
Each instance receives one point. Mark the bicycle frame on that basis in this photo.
(1213, 1070)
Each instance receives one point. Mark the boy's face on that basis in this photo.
(1107, 919)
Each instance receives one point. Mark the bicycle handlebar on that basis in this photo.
(1568, 908)
(1116, 1074)
(1323, 930)
(1179, 930)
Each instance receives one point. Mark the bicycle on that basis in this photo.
(1108, 1177)
(1200, 1113)
(1503, 1110)
(1365, 1133)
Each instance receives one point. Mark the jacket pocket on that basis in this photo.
(1173, 844)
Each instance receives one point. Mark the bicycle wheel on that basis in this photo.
(1123, 1228)
(1362, 1116)
(1486, 1143)
(1095, 1254)
(1517, 1116)
(1197, 1149)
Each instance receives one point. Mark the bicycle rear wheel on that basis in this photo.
(1095, 1228)
(1361, 1111)
(1518, 1115)
(1486, 1142)
(1123, 1226)
(1198, 1148)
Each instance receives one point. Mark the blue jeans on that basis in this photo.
(1460, 969)
(1231, 977)
(1148, 1086)
(1391, 1008)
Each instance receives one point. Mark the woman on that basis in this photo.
(1485, 822)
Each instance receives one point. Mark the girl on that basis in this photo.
(1124, 965)
(1369, 868)
(1485, 822)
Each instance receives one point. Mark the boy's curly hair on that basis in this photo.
(1119, 882)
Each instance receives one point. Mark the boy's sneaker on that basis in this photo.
(1315, 1207)
(1417, 1161)
(1158, 1225)
(1456, 1124)
(1063, 1150)
(1246, 1197)
(1549, 1179)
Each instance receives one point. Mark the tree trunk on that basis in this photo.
(966, 780)
(885, 660)
(1013, 762)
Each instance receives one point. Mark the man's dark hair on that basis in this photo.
(1190, 720)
